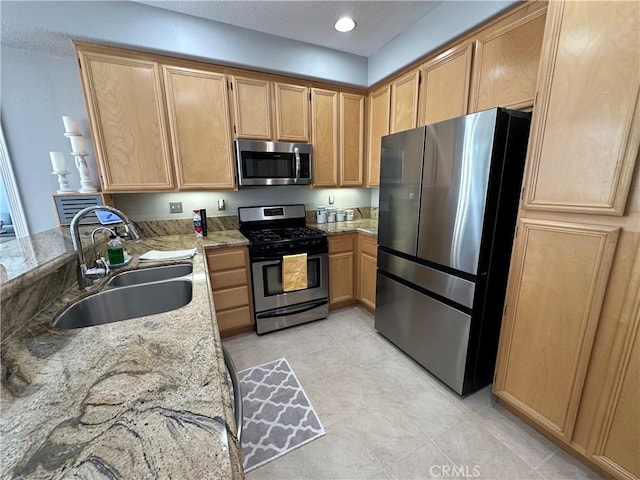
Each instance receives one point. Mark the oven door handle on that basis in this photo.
(266, 260)
(296, 151)
(283, 311)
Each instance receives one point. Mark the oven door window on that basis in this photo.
(268, 165)
(272, 275)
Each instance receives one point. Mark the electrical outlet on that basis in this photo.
(331, 199)
(175, 207)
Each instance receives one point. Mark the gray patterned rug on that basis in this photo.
(277, 414)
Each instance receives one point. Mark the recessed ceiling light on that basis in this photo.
(345, 24)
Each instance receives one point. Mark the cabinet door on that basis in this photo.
(351, 140)
(557, 284)
(367, 267)
(378, 127)
(126, 109)
(615, 440)
(230, 281)
(324, 118)
(586, 128)
(200, 128)
(404, 102)
(367, 277)
(445, 85)
(292, 112)
(341, 279)
(506, 60)
(252, 108)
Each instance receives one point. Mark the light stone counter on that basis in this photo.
(141, 398)
(368, 226)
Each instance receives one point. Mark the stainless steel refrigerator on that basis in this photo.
(449, 197)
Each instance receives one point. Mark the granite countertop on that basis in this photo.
(26, 256)
(368, 226)
(141, 398)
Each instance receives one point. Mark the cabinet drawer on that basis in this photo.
(368, 245)
(238, 317)
(223, 259)
(228, 278)
(231, 298)
(341, 243)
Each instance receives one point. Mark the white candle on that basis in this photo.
(77, 144)
(57, 162)
(70, 125)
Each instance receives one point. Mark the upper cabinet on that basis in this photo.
(586, 128)
(200, 130)
(337, 120)
(506, 60)
(351, 139)
(444, 91)
(292, 112)
(126, 112)
(379, 102)
(265, 110)
(404, 102)
(325, 123)
(251, 108)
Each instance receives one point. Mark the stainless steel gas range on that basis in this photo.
(275, 232)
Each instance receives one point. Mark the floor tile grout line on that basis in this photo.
(510, 449)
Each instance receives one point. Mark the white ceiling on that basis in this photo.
(378, 22)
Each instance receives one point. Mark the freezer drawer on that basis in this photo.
(432, 333)
(449, 286)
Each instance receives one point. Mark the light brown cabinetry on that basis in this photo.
(258, 102)
(251, 108)
(506, 60)
(587, 122)
(126, 110)
(367, 270)
(292, 112)
(337, 121)
(231, 288)
(379, 103)
(199, 126)
(351, 139)
(568, 357)
(546, 344)
(444, 90)
(325, 137)
(341, 270)
(404, 102)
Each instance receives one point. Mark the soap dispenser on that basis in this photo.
(115, 250)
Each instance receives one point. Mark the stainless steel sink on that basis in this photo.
(153, 274)
(123, 303)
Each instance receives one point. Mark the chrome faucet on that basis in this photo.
(86, 276)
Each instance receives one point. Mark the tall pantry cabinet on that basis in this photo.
(569, 352)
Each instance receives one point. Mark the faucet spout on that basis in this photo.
(84, 279)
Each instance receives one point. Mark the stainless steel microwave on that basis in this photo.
(273, 163)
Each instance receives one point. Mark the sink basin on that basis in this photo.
(124, 303)
(146, 275)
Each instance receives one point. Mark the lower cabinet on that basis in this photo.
(231, 287)
(352, 270)
(367, 264)
(341, 270)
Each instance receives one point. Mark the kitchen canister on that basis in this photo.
(331, 215)
(339, 214)
(321, 215)
(349, 215)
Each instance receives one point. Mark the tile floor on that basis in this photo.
(387, 418)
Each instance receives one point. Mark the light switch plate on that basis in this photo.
(175, 207)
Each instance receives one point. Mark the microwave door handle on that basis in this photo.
(297, 154)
